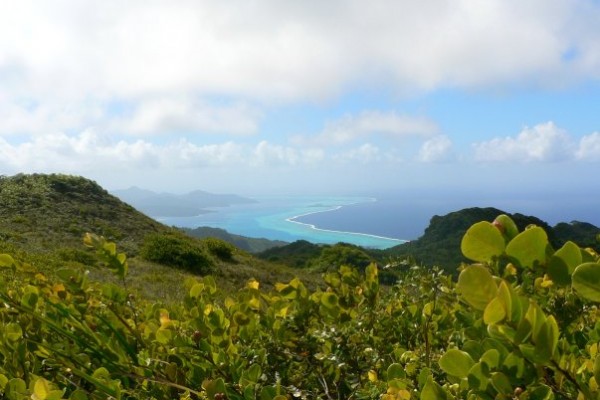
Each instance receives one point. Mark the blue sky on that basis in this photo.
(304, 97)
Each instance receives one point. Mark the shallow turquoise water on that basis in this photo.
(275, 218)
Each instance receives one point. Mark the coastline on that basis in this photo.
(314, 227)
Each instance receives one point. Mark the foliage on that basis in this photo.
(43, 217)
(176, 250)
(219, 248)
(520, 322)
(252, 245)
(337, 255)
(41, 212)
(440, 243)
(298, 254)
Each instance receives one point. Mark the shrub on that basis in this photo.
(176, 250)
(219, 248)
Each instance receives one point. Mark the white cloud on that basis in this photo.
(436, 149)
(288, 50)
(183, 115)
(266, 153)
(368, 123)
(151, 116)
(90, 151)
(589, 148)
(364, 154)
(544, 142)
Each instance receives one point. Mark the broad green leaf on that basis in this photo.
(6, 261)
(456, 363)
(514, 365)
(558, 271)
(432, 391)
(571, 254)
(13, 331)
(491, 358)
(536, 318)
(78, 395)
(268, 393)
(507, 226)
(16, 386)
(110, 248)
(29, 300)
(586, 280)
(395, 371)
(329, 300)
(494, 312)
(506, 296)
(241, 318)
(478, 376)
(546, 341)
(41, 389)
(196, 290)
(474, 348)
(523, 331)
(3, 381)
(477, 286)
(101, 374)
(563, 262)
(542, 392)
(253, 373)
(528, 248)
(597, 368)
(214, 387)
(482, 242)
(163, 336)
(501, 383)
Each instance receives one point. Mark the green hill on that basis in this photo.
(251, 245)
(440, 243)
(43, 219)
(41, 212)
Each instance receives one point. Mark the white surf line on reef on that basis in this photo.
(314, 227)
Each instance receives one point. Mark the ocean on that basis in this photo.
(315, 219)
(374, 222)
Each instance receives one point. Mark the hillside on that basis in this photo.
(251, 245)
(440, 243)
(43, 219)
(43, 211)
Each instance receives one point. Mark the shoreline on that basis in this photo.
(314, 227)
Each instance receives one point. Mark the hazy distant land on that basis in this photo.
(189, 204)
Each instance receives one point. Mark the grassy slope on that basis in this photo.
(43, 219)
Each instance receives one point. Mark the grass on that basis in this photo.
(43, 219)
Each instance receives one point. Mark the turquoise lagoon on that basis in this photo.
(283, 218)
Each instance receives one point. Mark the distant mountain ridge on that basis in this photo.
(177, 205)
(251, 245)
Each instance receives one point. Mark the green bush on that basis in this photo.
(219, 248)
(176, 250)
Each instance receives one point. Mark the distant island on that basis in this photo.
(189, 204)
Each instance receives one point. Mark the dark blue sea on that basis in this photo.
(380, 221)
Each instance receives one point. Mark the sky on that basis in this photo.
(304, 97)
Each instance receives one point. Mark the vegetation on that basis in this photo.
(518, 319)
(176, 250)
(43, 218)
(251, 245)
(440, 243)
(520, 322)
